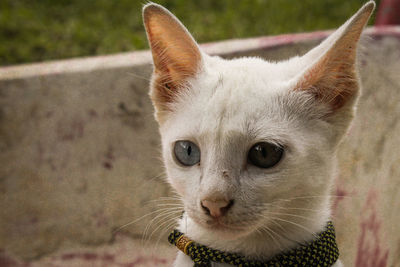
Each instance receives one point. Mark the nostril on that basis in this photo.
(205, 208)
(227, 207)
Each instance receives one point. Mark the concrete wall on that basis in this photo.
(79, 157)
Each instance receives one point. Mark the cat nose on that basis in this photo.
(216, 208)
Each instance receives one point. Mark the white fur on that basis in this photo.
(227, 107)
(236, 104)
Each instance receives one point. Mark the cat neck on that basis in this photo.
(259, 245)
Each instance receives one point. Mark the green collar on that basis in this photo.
(323, 251)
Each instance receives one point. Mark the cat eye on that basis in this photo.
(187, 153)
(265, 155)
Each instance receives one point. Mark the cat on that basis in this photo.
(249, 145)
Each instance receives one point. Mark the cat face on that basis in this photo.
(237, 105)
(246, 142)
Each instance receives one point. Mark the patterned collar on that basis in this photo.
(323, 251)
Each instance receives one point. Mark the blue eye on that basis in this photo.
(187, 153)
(265, 155)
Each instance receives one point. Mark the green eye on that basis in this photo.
(265, 155)
(187, 153)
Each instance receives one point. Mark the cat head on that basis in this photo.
(244, 138)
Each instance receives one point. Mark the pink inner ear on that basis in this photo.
(176, 55)
(333, 78)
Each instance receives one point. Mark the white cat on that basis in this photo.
(248, 144)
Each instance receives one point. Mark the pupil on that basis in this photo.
(189, 150)
(264, 152)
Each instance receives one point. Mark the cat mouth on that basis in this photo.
(221, 224)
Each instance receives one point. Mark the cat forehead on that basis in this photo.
(249, 69)
(245, 86)
(233, 82)
(236, 97)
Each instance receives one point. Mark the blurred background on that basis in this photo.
(32, 31)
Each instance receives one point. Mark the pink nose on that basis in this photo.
(216, 208)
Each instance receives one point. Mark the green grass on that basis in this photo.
(39, 30)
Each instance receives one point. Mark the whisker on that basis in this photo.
(294, 208)
(172, 198)
(166, 228)
(290, 222)
(268, 230)
(135, 221)
(170, 205)
(162, 224)
(296, 224)
(138, 76)
(164, 200)
(310, 197)
(276, 223)
(165, 214)
(155, 177)
(289, 214)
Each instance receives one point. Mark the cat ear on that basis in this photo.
(332, 77)
(176, 55)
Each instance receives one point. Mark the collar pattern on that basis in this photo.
(323, 251)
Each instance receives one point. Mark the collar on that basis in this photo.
(323, 251)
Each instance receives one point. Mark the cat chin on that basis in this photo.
(221, 230)
(224, 232)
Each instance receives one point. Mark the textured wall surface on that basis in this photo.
(79, 157)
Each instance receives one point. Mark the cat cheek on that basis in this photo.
(177, 185)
